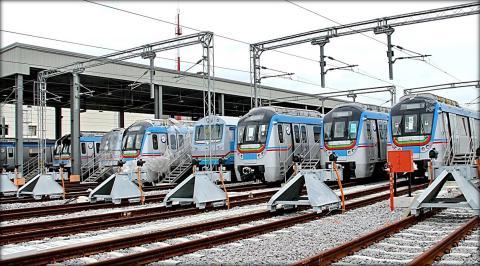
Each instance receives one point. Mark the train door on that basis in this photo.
(281, 142)
(453, 136)
(172, 140)
(297, 140)
(369, 140)
(376, 142)
(317, 137)
(231, 139)
(304, 140)
(383, 139)
(3, 156)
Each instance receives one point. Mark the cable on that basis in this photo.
(219, 35)
(370, 37)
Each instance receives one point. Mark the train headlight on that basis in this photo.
(260, 155)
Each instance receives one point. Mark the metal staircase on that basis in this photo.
(453, 157)
(96, 168)
(180, 165)
(30, 168)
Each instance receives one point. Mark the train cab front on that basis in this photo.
(207, 145)
(411, 128)
(251, 162)
(61, 152)
(132, 142)
(341, 128)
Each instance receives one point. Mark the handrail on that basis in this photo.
(303, 155)
(30, 167)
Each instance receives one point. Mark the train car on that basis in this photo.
(30, 151)
(423, 122)
(89, 148)
(111, 148)
(158, 142)
(270, 137)
(357, 134)
(220, 131)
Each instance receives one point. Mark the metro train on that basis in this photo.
(111, 148)
(158, 142)
(30, 151)
(357, 134)
(222, 136)
(423, 122)
(270, 137)
(89, 148)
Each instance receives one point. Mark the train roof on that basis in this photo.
(445, 104)
(430, 96)
(364, 107)
(219, 119)
(286, 111)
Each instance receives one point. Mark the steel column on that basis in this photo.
(58, 122)
(390, 54)
(19, 123)
(158, 98)
(121, 119)
(221, 103)
(321, 42)
(75, 124)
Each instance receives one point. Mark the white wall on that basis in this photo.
(91, 120)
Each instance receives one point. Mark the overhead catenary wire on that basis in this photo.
(401, 49)
(224, 37)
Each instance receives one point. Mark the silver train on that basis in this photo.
(221, 131)
(89, 148)
(111, 148)
(358, 136)
(269, 138)
(424, 122)
(159, 143)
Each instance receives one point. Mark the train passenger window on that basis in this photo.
(304, 134)
(97, 147)
(411, 123)
(339, 130)
(316, 133)
(262, 133)
(280, 133)
(426, 123)
(173, 142)
(155, 141)
(10, 152)
(180, 141)
(296, 132)
(84, 148)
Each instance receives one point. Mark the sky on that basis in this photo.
(453, 43)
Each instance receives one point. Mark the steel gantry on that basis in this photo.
(445, 86)
(147, 51)
(379, 25)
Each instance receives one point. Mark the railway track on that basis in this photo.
(414, 240)
(152, 255)
(71, 192)
(24, 213)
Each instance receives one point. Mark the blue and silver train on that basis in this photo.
(424, 122)
(158, 143)
(111, 148)
(30, 151)
(220, 132)
(89, 148)
(357, 134)
(270, 137)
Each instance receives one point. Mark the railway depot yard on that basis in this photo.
(239, 133)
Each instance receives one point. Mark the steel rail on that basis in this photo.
(439, 249)
(207, 242)
(62, 209)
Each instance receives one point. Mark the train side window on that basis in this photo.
(369, 131)
(84, 148)
(317, 131)
(280, 133)
(180, 141)
(304, 134)
(155, 141)
(10, 152)
(296, 131)
(97, 147)
(173, 142)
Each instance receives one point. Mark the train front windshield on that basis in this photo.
(208, 132)
(412, 118)
(133, 137)
(252, 133)
(341, 124)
